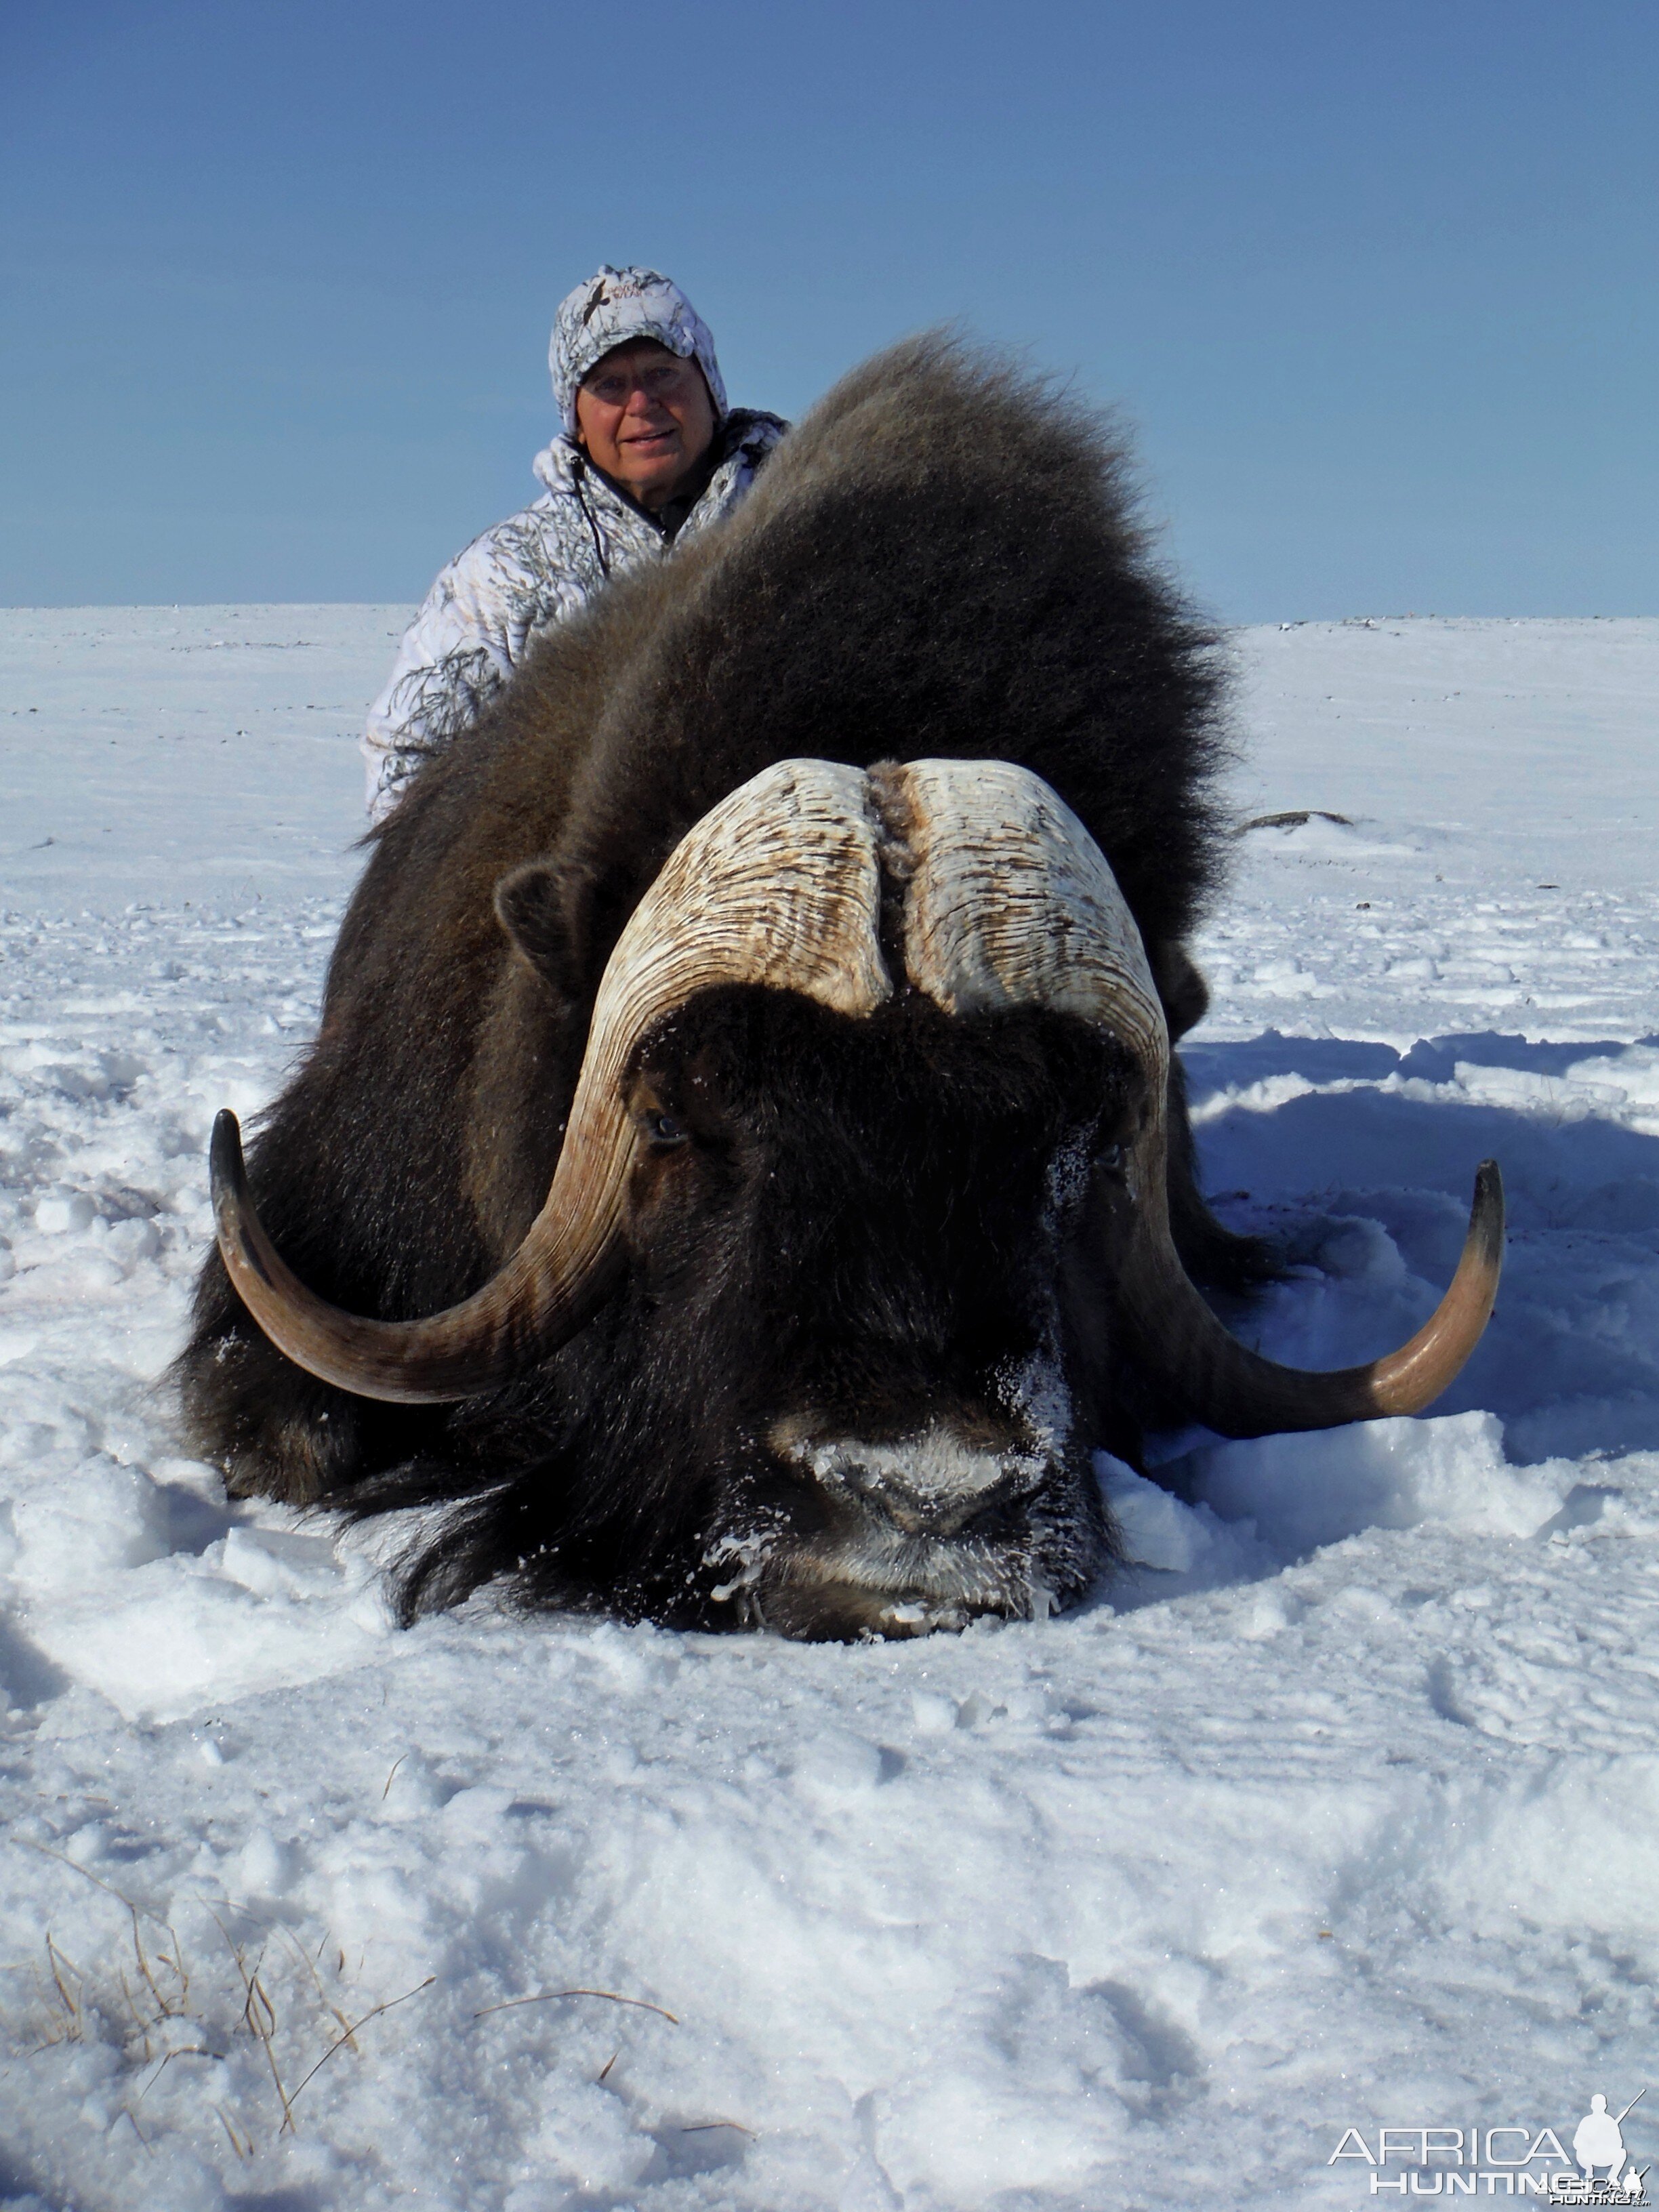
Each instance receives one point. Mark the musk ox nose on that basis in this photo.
(934, 1483)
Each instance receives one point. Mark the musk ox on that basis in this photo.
(741, 1174)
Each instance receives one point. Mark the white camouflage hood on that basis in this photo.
(614, 307)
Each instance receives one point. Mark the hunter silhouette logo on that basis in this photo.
(1598, 2141)
(1509, 2162)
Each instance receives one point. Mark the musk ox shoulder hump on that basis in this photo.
(940, 561)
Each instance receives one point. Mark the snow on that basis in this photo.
(1337, 1809)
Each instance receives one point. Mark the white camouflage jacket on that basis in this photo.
(536, 569)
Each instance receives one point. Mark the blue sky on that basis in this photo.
(1374, 286)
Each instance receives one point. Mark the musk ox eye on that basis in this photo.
(1110, 1157)
(666, 1129)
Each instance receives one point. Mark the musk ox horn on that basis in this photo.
(1011, 902)
(1238, 1393)
(778, 884)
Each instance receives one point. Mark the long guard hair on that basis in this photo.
(942, 559)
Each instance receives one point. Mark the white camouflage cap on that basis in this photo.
(614, 307)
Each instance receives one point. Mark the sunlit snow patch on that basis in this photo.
(1298, 1493)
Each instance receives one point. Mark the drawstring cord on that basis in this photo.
(579, 472)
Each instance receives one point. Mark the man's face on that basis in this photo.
(644, 416)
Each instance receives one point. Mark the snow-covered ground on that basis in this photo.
(1339, 1811)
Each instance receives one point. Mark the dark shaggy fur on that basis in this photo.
(940, 561)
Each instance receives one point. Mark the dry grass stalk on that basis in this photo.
(168, 2007)
(340, 2041)
(73, 2026)
(323, 1997)
(181, 2050)
(242, 2145)
(260, 2015)
(138, 2019)
(162, 1994)
(177, 2005)
(551, 1996)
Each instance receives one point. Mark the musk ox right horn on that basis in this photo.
(779, 885)
(1011, 902)
(1238, 1393)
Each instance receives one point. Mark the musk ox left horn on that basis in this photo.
(1011, 902)
(778, 884)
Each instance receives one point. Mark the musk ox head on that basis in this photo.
(859, 1231)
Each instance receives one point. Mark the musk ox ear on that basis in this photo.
(532, 905)
(1185, 994)
(565, 916)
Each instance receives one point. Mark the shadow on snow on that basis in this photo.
(1367, 1178)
